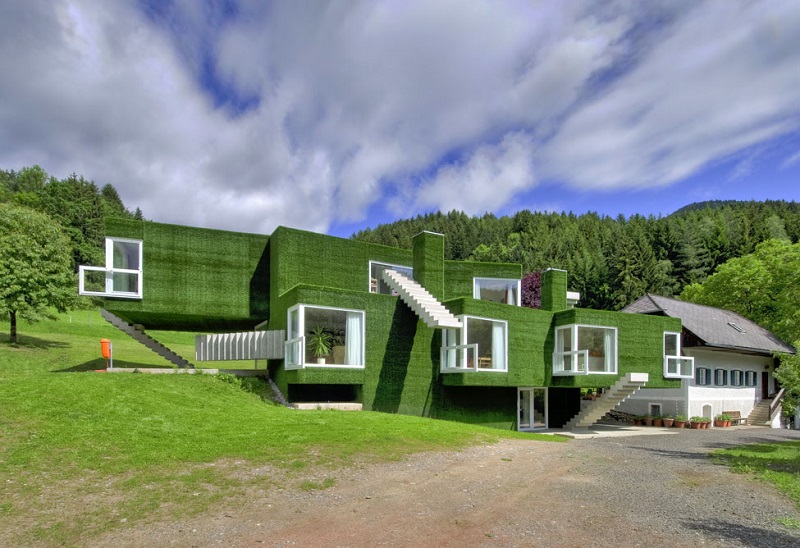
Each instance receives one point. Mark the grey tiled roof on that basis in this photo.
(714, 326)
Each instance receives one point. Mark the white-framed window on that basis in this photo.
(376, 283)
(750, 378)
(481, 345)
(584, 350)
(720, 377)
(737, 378)
(499, 290)
(702, 376)
(320, 336)
(675, 365)
(120, 277)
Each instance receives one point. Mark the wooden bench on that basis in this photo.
(736, 417)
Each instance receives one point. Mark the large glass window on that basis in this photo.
(675, 365)
(481, 345)
(376, 283)
(122, 274)
(500, 290)
(324, 337)
(585, 349)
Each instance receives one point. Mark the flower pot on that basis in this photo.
(668, 422)
(727, 424)
(719, 424)
(679, 424)
(696, 425)
(648, 422)
(707, 425)
(657, 422)
(638, 422)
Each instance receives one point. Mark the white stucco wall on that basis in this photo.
(691, 399)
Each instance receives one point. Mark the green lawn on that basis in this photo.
(778, 463)
(132, 446)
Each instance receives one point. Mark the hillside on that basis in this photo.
(611, 261)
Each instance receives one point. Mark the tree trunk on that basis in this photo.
(13, 334)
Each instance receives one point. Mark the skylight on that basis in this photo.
(737, 327)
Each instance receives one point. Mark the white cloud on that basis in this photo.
(724, 79)
(307, 114)
(486, 181)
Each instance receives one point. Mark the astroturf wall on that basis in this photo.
(640, 346)
(554, 289)
(459, 275)
(428, 255)
(300, 257)
(196, 279)
(529, 334)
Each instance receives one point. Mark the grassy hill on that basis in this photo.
(81, 450)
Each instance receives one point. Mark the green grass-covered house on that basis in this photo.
(395, 330)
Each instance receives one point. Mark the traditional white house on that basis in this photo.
(725, 360)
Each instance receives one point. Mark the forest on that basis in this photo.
(610, 261)
(79, 206)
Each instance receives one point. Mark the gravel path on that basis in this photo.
(632, 491)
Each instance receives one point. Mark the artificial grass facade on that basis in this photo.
(221, 281)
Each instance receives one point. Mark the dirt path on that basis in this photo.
(515, 493)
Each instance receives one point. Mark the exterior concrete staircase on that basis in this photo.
(760, 415)
(145, 339)
(611, 398)
(424, 305)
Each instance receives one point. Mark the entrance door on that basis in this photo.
(532, 408)
(765, 384)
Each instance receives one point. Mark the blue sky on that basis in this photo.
(338, 116)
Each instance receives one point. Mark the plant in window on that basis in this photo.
(319, 343)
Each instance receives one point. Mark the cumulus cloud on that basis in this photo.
(246, 115)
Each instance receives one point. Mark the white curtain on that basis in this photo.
(609, 350)
(352, 337)
(510, 296)
(498, 345)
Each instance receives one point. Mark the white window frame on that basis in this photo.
(296, 345)
(398, 267)
(467, 349)
(674, 364)
(109, 271)
(509, 281)
(579, 357)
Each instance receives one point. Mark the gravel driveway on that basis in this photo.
(623, 491)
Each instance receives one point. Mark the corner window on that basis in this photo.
(481, 345)
(675, 365)
(376, 283)
(702, 376)
(720, 377)
(324, 337)
(499, 290)
(120, 277)
(585, 349)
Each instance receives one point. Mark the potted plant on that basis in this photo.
(657, 420)
(648, 420)
(668, 421)
(706, 423)
(680, 421)
(319, 343)
(722, 420)
(638, 420)
(696, 422)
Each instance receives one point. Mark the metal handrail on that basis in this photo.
(776, 403)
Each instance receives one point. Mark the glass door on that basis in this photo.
(532, 408)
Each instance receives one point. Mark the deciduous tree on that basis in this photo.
(35, 267)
